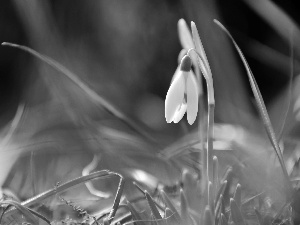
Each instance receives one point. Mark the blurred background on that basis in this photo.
(127, 52)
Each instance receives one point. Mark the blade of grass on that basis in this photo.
(89, 185)
(91, 93)
(208, 217)
(32, 173)
(23, 210)
(259, 217)
(220, 192)
(262, 108)
(223, 220)
(185, 217)
(153, 208)
(135, 214)
(227, 174)
(14, 124)
(117, 200)
(39, 215)
(170, 205)
(238, 195)
(236, 214)
(144, 193)
(138, 187)
(170, 218)
(252, 198)
(63, 187)
(211, 198)
(280, 211)
(216, 181)
(289, 91)
(219, 209)
(276, 17)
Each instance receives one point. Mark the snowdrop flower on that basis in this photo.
(183, 94)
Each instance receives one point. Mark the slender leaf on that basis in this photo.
(223, 220)
(261, 106)
(289, 89)
(152, 205)
(185, 217)
(170, 217)
(238, 195)
(259, 217)
(220, 192)
(236, 214)
(117, 200)
(63, 187)
(23, 210)
(170, 205)
(216, 181)
(135, 214)
(211, 197)
(208, 217)
(219, 206)
(91, 93)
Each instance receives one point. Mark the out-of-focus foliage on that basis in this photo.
(127, 51)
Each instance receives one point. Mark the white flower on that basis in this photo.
(182, 95)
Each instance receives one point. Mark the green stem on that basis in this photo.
(210, 132)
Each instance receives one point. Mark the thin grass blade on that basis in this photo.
(152, 206)
(91, 93)
(89, 185)
(252, 198)
(117, 200)
(208, 217)
(211, 197)
(216, 181)
(227, 174)
(261, 106)
(220, 192)
(219, 206)
(170, 205)
(259, 217)
(238, 195)
(135, 215)
(223, 220)
(170, 217)
(185, 218)
(289, 89)
(63, 187)
(236, 214)
(23, 210)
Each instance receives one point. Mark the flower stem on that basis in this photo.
(209, 153)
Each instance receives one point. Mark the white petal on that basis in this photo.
(199, 83)
(180, 113)
(192, 98)
(176, 74)
(174, 96)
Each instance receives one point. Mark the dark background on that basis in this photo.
(135, 45)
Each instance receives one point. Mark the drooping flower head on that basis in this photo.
(185, 88)
(182, 95)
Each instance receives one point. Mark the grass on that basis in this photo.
(212, 190)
